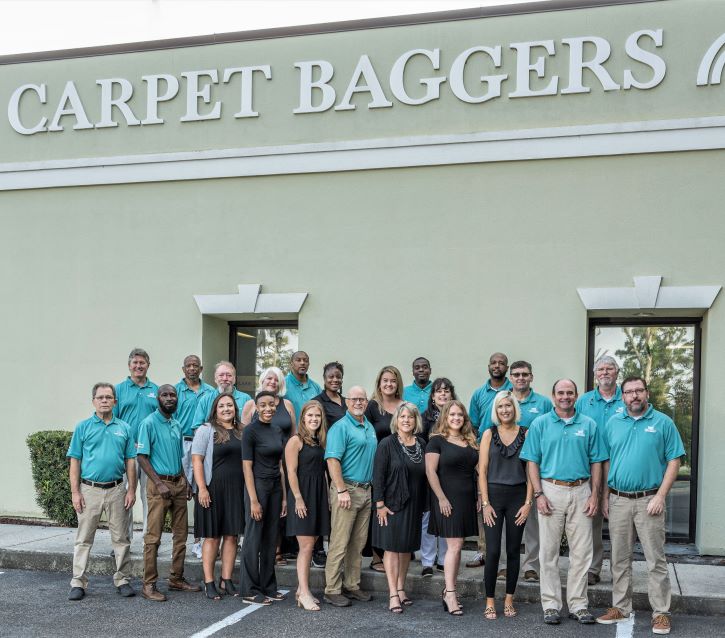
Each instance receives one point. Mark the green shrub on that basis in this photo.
(50, 475)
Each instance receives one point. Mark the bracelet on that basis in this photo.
(485, 503)
(342, 491)
(530, 502)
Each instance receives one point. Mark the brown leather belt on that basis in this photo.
(633, 494)
(567, 483)
(103, 486)
(169, 477)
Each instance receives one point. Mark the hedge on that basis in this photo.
(50, 475)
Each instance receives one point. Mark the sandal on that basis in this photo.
(406, 602)
(377, 566)
(308, 603)
(297, 597)
(280, 560)
(397, 609)
(490, 613)
(458, 600)
(452, 612)
(227, 588)
(257, 599)
(509, 611)
(277, 596)
(211, 591)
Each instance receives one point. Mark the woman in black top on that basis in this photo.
(265, 501)
(331, 399)
(450, 462)
(218, 507)
(399, 492)
(506, 496)
(309, 517)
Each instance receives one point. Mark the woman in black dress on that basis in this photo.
(450, 460)
(309, 518)
(218, 483)
(399, 492)
(331, 399)
(264, 502)
(506, 496)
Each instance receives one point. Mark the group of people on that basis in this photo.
(408, 469)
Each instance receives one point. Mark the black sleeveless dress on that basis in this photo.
(313, 488)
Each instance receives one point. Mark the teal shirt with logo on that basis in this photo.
(418, 396)
(639, 449)
(188, 400)
(135, 402)
(203, 406)
(353, 444)
(595, 406)
(564, 451)
(300, 393)
(481, 402)
(533, 406)
(160, 439)
(102, 448)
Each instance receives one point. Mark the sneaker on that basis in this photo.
(76, 593)
(661, 624)
(551, 617)
(440, 568)
(501, 574)
(357, 594)
(427, 572)
(319, 560)
(582, 616)
(592, 579)
(530, 576)
(613, 615)
(336, 600)
(126, 590)
(478, 561)
(196, 550)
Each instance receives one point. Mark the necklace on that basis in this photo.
(416, 456)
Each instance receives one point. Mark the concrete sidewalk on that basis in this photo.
(696, 589)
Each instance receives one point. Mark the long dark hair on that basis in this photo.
(221, 434)
(440, 382)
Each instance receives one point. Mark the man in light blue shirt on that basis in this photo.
(601, 404)
(418, 392)
(225, 376)
(565, 453)
(644, 460)
(300, 388)
(482, 398)
(350, 451)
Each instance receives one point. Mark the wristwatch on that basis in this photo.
(537, 494)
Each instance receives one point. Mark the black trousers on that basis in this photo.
(256, 570)
(506, 500)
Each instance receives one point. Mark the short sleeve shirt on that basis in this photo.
(532, 406)
(135, 402)
(353, 444)
(102, 448)
(481, 402)
(595, 406)
(300, 393)
(188, 401)
(203, 406)
(418, 396)
(160, 439)
(262, 444)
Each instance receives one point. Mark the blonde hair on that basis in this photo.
(415, 413)
(441, 427)
(304, 433)
(281, 387)
(505, 395)
(378, 396)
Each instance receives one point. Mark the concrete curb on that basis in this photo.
(468, 586)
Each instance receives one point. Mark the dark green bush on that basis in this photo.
(50, 475)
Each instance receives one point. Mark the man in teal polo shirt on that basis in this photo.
(160, 451)
(225, 376)
(350, 451)
(418, 392)
(565, 453)
(601, 404)
(101, 450)
(644, 459)
(135, 400)
(300, 388)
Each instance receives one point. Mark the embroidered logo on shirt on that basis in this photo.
(650, 428)
(619, 409)
(579, 433)
(533, 410)
(118, 433)
(151, 395)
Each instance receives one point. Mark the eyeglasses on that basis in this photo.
(356, 399)
(629, 393)
(103, 397)
(516, 375)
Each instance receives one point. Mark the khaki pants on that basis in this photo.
(625, 517)
(348, 533)
(158, 506)
(97, 501)
(568, 515)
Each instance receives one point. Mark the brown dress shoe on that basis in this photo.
(149, 592)
(592, 579)
(182, 584)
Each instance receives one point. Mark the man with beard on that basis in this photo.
(300, 388)
(160, 451)
(644, 459)
(601, 404)
(225, 376)
(418, 392)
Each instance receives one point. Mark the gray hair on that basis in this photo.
(103, 384)
(139, 352)
(281, 388)
(604, 359)
(228, 364)
(414, 412)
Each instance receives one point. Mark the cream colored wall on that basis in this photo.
(450, 262)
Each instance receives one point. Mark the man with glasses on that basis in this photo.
(350, 452)
(418, 392)
(225, 378)
(532, 405)
(644, 459)
(601, 404)
(101, 450)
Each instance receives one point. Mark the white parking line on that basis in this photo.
(229, 620)
(626, 628)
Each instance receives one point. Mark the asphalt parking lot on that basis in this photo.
(34, 605)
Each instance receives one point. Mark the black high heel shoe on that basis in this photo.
(452, 612)
(226, 587)
(211, 591)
